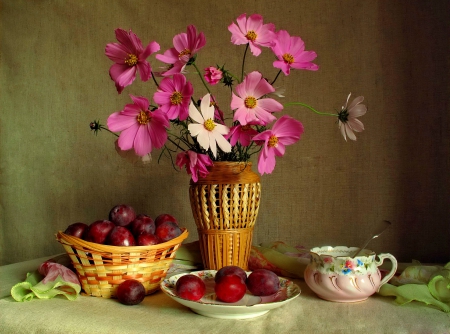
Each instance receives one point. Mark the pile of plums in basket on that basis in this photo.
(126, 228)
(230, 284)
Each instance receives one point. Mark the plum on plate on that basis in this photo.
(230, 288)
(190, 287)
(228, 270)
(263, 282)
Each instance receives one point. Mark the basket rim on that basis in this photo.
(75, 241)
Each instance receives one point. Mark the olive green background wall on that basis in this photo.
(324, 191)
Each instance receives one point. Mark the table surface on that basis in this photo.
(158, 313)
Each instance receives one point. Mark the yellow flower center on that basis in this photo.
(209, 124)
(273, 141)
(251, 35)
(288, 58)
(184, 53)
(250, 102)
(131, 60)
(143, 117)
(176, 98)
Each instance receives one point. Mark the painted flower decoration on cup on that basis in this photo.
(189, 122)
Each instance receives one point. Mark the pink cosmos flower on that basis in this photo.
(290, 52)
(285, 131)
(129, 57)
(348, 122)
(140, 128)
(173, 96)
(196, 164)
(250, 105)
(242, 134)
(209, 134)
(252, 31)
(213, 75)
(186, 45)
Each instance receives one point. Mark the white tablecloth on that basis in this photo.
(160, 314)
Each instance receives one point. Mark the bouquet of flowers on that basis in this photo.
(173, 120)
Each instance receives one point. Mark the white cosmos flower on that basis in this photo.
(209, 134)
(348, 122)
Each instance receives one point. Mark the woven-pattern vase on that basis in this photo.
(225, 205)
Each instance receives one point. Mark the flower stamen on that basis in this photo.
(209, 124)
(251, 35)
(176, 98)
(131, 60)
(143, 117)
(288, 58)
(185, 52)
(250, 102)
(273, 141)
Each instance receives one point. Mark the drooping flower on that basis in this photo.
(348, 122)
(253, 32)
(185, 46)
(129, 57)
(209, 134)
(242, 134)
(140, 128)
(173, 96)
(290, 51)
(213, 75)
(285, 131)
(250, 104)
(196, 163)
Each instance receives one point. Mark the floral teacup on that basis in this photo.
(335, 276)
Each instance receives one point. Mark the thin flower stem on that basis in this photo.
(243, 62)
(275, 78)
(201, 77)
(103, 128)
(154, 80)
(309, 107)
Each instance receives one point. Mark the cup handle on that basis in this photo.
(393, 269)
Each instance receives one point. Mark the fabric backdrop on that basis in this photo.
(324, 191)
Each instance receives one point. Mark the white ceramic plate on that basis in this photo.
(248, 307)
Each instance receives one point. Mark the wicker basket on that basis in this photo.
(225, 205)
(101, 268)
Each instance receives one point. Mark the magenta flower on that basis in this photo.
(186, 45)
(174, 95)
(140, 128)
(213, 75)
(129, 57)
(285, 131)
(348, 122)
(196, 164)
(252, 31)
(242, 134)
(209, 134)
(291, 53)
(250, 105)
